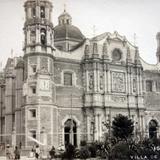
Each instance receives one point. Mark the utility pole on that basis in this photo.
(71, 129)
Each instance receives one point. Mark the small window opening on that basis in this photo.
(42, 12)
(43, 36)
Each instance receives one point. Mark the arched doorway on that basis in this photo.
(70, 132)
(153, 129)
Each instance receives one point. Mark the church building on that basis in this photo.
(66, 87)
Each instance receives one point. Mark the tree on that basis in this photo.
(122, 127)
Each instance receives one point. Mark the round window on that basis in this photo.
(116, 55)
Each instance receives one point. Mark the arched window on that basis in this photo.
(33, 36)
(42, 12)
(33, 12)
(153, 129)
(43, 36)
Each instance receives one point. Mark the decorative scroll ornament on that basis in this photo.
(124, 41)
(120, 99)
(128, 55)
(108, 39)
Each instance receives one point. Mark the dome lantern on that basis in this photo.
(65, 18)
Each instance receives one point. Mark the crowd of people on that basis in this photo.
(12, 154)
(35, 153)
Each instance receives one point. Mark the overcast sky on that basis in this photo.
(125, 16)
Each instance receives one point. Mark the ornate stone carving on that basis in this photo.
(33, 60)
(44, 64)
(120, 99)
(118, 82)
(90, 81)
(134, 85)
(101, 82)
(87, 50)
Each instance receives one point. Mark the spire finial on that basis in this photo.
(12, 53)
(65, 6)
(135, 39)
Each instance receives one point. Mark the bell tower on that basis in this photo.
(38, 89)
(38, 28)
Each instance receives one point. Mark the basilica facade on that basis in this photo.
(67, 87)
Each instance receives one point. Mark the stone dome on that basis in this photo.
(67, 31)
(67, 36)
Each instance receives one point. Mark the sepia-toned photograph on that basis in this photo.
(79, 80)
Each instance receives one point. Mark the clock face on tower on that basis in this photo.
(44, 85)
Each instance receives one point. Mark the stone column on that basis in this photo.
(96, 128)
(105, 79)
(47, 13)
(141, 88)
(13, 138)
(100, 126)
(38, 11)
(98, 80)
(48, 36)
(87, 80)
(78, 136)
(88, 128)
(109, 81)
(137, 77)
(94, 77)
(37, 34)
(29, 13)
(44, 141)
(28, 36)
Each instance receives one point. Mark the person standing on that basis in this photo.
(52, 152)
(32, 153)
(17, 153)
(37, 152)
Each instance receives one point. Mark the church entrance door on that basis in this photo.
(70, 132)
(153, 129)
